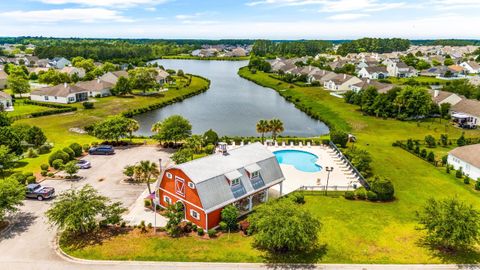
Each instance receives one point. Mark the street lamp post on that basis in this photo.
(328, 169)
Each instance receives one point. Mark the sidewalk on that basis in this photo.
(138, 212)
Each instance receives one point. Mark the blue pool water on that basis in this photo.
(301, 160)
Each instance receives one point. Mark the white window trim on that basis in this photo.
(169, 175)
(255, 174)
(167, 199)
(193, 216)
(234, 180)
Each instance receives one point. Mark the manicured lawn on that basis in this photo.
(56, 127)
(353, 231)
(420, 79)
(21, 109)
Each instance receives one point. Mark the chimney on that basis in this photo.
(98, 80)
(65, 85)
(436, 93)
(344, 76)
(368, 81)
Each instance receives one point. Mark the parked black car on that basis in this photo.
(38, 192)
(101, 150)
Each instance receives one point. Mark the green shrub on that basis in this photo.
(200, 231)
(298, 198)
(466, 180)
(45, 148)
(383, 188)
(147, 203)
(44, 167)
(44, 173)
(459, 173)
(31, 179)
(223, 226)
(431, 157)
(86, 147)
(31, 153)
(423, 153)
(58, 155)
(57, 164)
(477, 184)
(372, 196)
(209, 149)
(70, 152)
(77, 149)
(349, 195)
(88, 105)
(361, 193)
(50, 174)
(194, 227)
(212, 233)
(339, 138)
(447, 169)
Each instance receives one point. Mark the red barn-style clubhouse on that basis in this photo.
(241, 177)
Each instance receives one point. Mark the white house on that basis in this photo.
(466, 113)
(471, 67)
(374, 73)
(96, 87)
(468, 158)
(74, 70)
(59, 62)
(341, 82)
(62, 93)
(6, 101)
(162, 76)
(3, 79)
(399, 69)
(112, 77)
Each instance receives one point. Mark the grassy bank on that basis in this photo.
(353, 231)
(57, 127)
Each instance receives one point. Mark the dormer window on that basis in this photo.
(235, 182)
(253, 170)
(254, 175)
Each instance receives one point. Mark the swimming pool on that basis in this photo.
(301, 160)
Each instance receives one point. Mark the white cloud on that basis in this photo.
(348, 16)
(151, 9)
(105, 3)
(88, 15)
(335, 5)
(455, 4)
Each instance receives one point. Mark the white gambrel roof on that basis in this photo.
(210, 174)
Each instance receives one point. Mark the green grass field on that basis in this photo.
(353, 231)
(22, 109)
(56, 127)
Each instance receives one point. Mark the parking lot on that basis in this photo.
(31, 238)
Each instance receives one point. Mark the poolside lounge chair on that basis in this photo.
(283, 144)
(276, 144)
(291, 144)
(241, 143)
(309, 145)
(300, 144)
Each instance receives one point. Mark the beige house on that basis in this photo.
(6, 101)
(341, 83)
(3, 79)
(61, 93)
(96, 87)
(112, 77)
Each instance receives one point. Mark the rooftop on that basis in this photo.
(468, 153)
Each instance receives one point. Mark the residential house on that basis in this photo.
(239, 52)
(474, 80)
(241, 177)
(62, 93)
(399, 69)
(466, 113)
(44, 63)
(162, 76)
(467, 158)
(59, 62)
(321, 76)
(341, 82)
(112, 77)
(31, 61)
(440, 97)
(365, 83)
(6, 101)
(3, 79)
(471, 67)
(37, 70)
(80, 72)
(378, 72)
(96, 88)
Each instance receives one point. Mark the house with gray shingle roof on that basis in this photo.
(61, 93)
(3, 79)
(467, 158)
(239, 177)
(373, 72)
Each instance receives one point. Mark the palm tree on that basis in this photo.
(195, 142)
(263, 126)
(132, 127)
(276, 127)
(146, 170)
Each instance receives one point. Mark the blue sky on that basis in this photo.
(272, 19)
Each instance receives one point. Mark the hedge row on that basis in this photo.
(132, 112)
(59, 108)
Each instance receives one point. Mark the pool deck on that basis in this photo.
(341, 177)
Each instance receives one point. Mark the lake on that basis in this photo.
(232, 106)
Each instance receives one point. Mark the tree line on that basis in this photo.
(291, 48)
(376, 45)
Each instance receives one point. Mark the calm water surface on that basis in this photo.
(232, 106)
